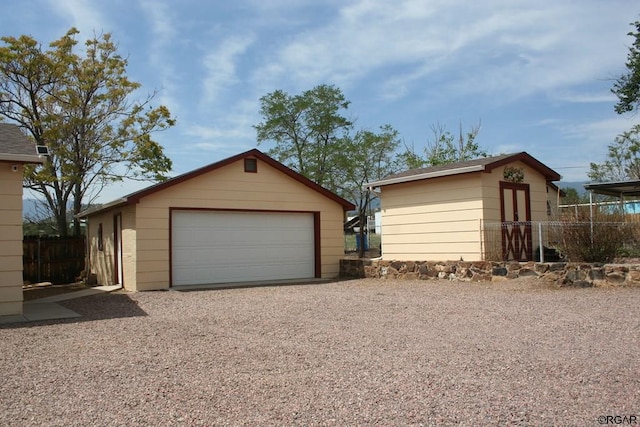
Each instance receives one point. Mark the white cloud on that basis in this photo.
(221, 66)
(600, 132)
(585, 98)
(581, 143)
(163, 35)
(83, 15)
(496, 47)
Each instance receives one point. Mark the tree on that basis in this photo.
(79, 106)
(307, 130)
(367, 156)
(445, 148)
(623, 162)
(627, 86)
(623, 159)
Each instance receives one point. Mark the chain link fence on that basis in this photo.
(548, 241)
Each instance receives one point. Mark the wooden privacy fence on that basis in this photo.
(52, 259)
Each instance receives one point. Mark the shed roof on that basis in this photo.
(616, 189)
(484, 164)
(254, 153)
(15, 146)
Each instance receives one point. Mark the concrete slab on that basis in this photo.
(47, 309)
(289, 282)
(34, 312)
(78, 294)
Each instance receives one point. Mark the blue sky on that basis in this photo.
(536, 73)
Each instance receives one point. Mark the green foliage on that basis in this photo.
(627, 86)
(45, 227)
(79, 105)
(445, 148)
(572, 197)
(623, 161)
(307, 130)
(367, 156)
(313, 137)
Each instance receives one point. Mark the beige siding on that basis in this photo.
(10, 240)
(436, 219)
(228, 187)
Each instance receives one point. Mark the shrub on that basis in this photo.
(581, 240)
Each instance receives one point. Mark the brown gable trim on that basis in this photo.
(527, 159)
(135, 197)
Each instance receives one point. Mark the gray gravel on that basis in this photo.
(361, 352)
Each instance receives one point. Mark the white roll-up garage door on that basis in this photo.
(228, 246)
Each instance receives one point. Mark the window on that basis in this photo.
(100, 242)
(251, 165)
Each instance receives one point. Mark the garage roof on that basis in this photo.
(617, 189)
(254, 153)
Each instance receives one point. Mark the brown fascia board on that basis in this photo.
(527, 159)
(135, 197)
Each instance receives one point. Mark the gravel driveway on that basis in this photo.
(360, 352)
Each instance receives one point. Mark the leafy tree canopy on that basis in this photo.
(627, 86)
(77, 101)
(307, 130)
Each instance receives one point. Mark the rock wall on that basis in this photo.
(556, 273)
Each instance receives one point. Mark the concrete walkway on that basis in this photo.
(48, 309)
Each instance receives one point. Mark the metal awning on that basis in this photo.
(621, 189)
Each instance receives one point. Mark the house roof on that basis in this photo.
(484, 164)
(254, 153)
(16, 146)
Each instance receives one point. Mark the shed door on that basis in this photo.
(515, 205)
(229, 246)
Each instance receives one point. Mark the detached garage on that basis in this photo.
(245, 219)
(212, 247)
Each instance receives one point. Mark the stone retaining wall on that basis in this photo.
(557, 273)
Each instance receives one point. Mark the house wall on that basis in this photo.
(441, 218)
(10, 239)
(229, 187)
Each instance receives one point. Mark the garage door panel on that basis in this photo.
(225, 247)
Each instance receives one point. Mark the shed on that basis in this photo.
(16, 149)
(247, 218)
(441, 213)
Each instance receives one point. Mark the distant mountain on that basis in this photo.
(30, 208)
